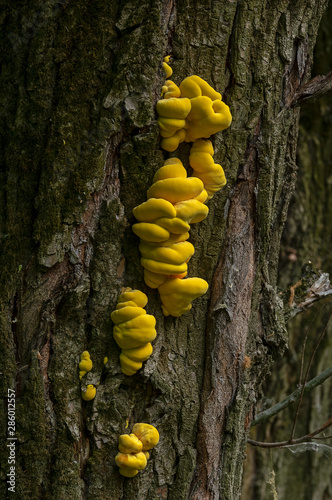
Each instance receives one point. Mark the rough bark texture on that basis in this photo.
(307, 237)
(79, 85)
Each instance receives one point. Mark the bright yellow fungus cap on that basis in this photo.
(170, 144)
(128, 472)
(206, 117)
(175, 190)
(148, 434)
(169, 126)
(170, 89)
(89, 394)
(139, 353)
(131, 359)
(174, 238)
(168, 70)
(171, 169)
(191, 211)
(149, 231)
(135, 461)
(126, 313)
(129, 443)
(136, 296)
(177, 294)
(173, 108)
(163, 267)
(173, 254)
(174, 226)
(154, 209)
(172, 113)
(133, 448)
(202, 146)
(194, 86)
(153, 280)
(128, 366)
(135, 332)
(85, 364)
(210, 173)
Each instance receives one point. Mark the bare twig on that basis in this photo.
(292, 398)
(302, 439)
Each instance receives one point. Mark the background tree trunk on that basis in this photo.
(79, 85)
(307, 237)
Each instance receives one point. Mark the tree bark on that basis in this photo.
(80, 82)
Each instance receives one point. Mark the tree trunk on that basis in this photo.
(80, 82)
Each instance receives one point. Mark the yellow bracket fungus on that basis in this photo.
(133, 454)
(172, 113)
(151, 232)
(170, 89)
(130, 463)
(176, 189)
(206, 117)
(177, 294)
(89, 393)
(168, 70)
(168, 259)
(201, 160)
(173, 254)
(129, 443)
(153, 280)
(147, 434)
(133, 330)
(154, 209)
(192, 111)
(170, 144)
(85, 364)
(194, 86)
(191, 211)
(132, 359)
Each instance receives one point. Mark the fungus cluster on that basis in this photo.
(85, 365)
(174, 202)
(134, 330)
(134, 449)
(89, 393)
(191, 112)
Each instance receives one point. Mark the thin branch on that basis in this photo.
(292, 398)
(306, 377)
(313, 90)
(302, 439)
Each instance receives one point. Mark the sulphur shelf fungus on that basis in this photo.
(192, 111)
(134, 330)
(133, 449)
(210, 173)
(168, 70)
(89, 392)
(85, 364)
(177, 294)
(175, 201)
